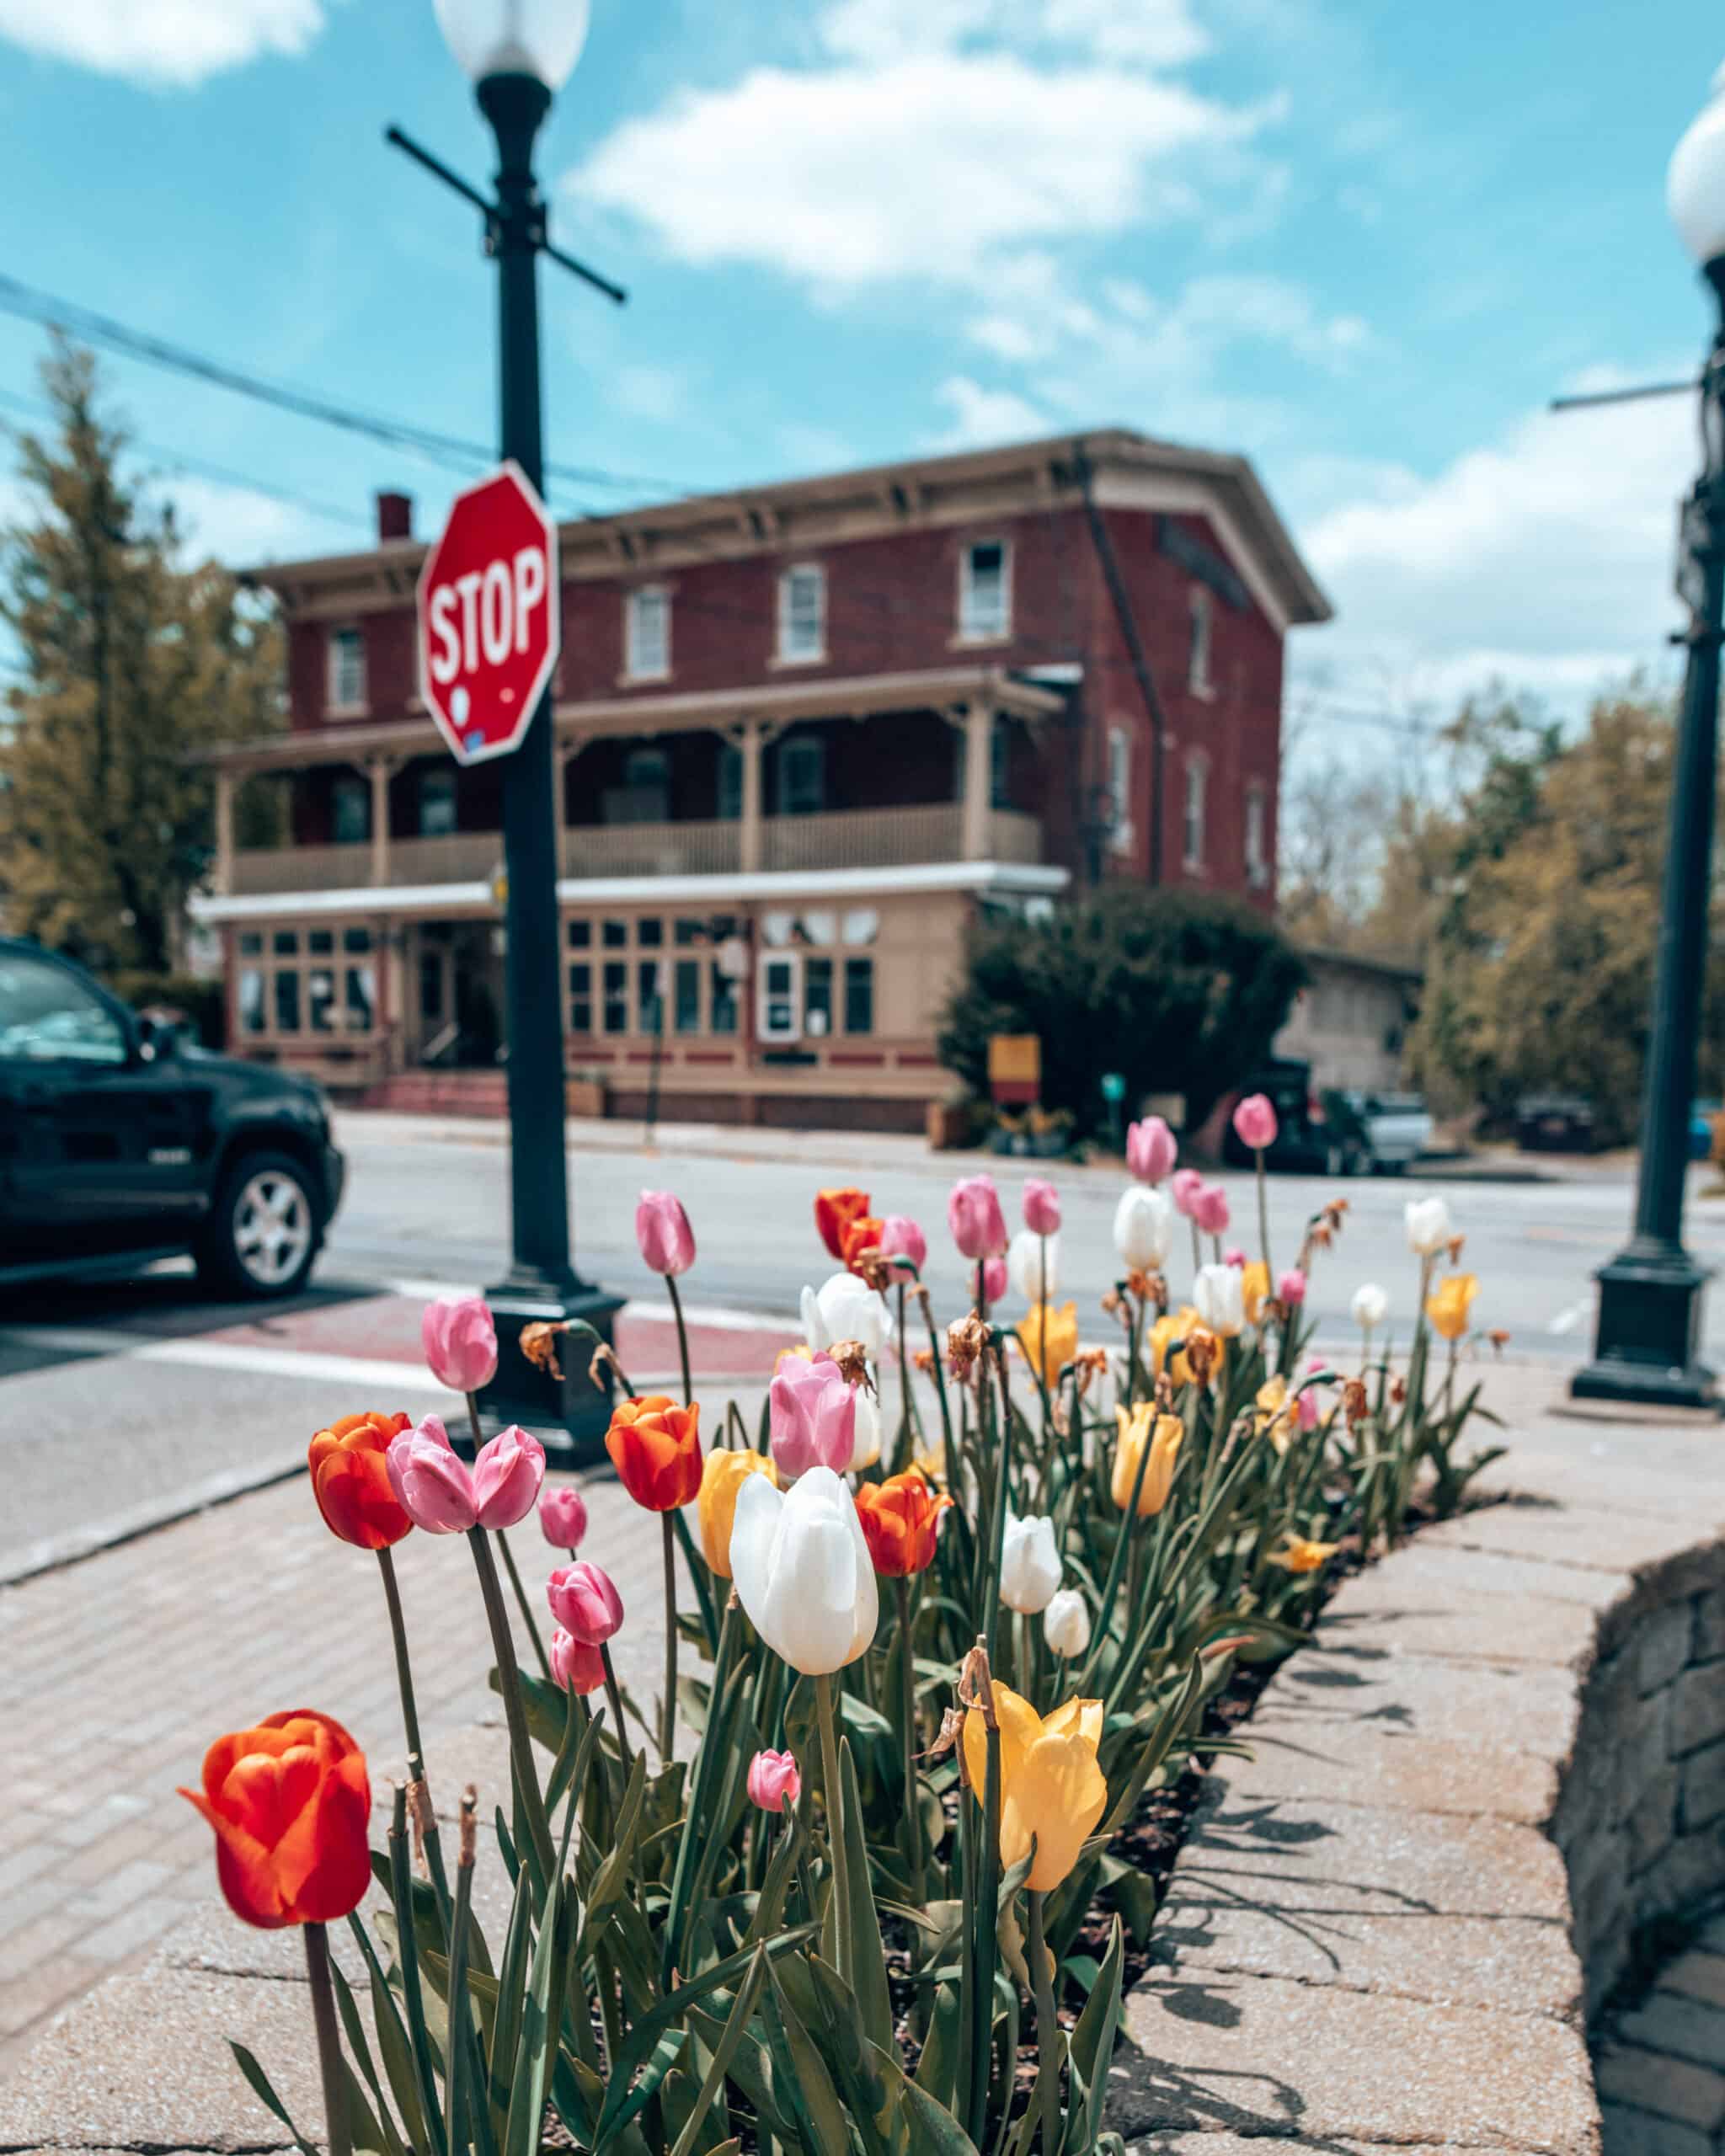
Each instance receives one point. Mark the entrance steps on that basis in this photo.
(443, 1092)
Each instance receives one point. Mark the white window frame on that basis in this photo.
(636, 655)
(1199, 678)
(969, 632)
(335, 703)
(1119, 788)
(785, 653)
(1194, 809)
(766, 1032)
(1257, 859)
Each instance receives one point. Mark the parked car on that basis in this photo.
(1554, 1122)
(121, 1143)
(1315, 1135)
(1398, 1130)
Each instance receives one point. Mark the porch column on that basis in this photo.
(380, 769)
(979, 779)
(224, 832)
(751, 740)
(567, 752)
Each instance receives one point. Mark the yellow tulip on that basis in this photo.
(1050, 1338)
(1163, 1434)
(1449, 1307)
(1254, 1289)
(723, 1475)
(1177, 1325)
(1051, 1789)
(1277, 1415)
(1303, 1556)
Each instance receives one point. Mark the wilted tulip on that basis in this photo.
(1184, 1186)
(1052, 1791)
(1050, 1338)
(812, 1415)
(723, 1475)
(350, 1480)
(655, 1448)
(1370, 1306)
(773, 1777)
(1303, 1556)
(1065, 1624)
(1041, 1207)
(901, 1237)
(1428, 1228)
(575, 1666)
(901, 1519)
(1034, 1265)
(1221, 1305)
(562, 1516)
(584, 1601)
(1151, 1148)
(460, 1341)
(1210, 1209)
(291, 1803)
(1030, 1564)
(1449, 1306)
(1172, 1326)
(1143, 1227)
(834, 1212)
(802, 1572)
(1255, 1122)
(1139, 1426)
(974, 1214)
(662, 1229)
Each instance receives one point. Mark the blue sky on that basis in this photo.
(1361, 241)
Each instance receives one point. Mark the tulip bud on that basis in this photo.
(562, 1516)
(1065, 1624)
(575, 1666)
(460, 1341)
(1210, 1209)
(1030, 1564)
(662, 1229)
(1290, 1288)
(974, 1215)
(1143, 1227)
(1233, 1255)
(1370, 1306)
(1041, 1207)
(1151, 1148)
(507, 1473)
(1429, 1228)
(1220, 1299)
(1034, 1265)
(773, 1776)
(1255, 1122)
(994, 1280)
(584, 1601)
(1184, 1186)
(901, 1237)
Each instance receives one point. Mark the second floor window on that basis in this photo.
(802, 777)
(646, 634)
(730, 782)
(436, 804)
(1197, 783)
(985, 592)
(1257, 864)
(801, 613)
(1202, 622)
(1120, 789)
(350, 818)
(347, 671)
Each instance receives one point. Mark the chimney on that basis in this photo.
(395, 517)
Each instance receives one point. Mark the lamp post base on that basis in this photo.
(570, 1415)
(1645, 1351)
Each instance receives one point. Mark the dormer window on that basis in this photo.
(646, 634)
(346, 686)
(985, 592)
(801, 615)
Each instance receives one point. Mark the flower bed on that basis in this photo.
(862, 1881)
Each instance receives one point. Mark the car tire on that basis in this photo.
(262, 1235)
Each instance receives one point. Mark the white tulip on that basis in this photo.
(867, 1448)
(1219, 1296)
(1144, 1227)
(849, 1310)
(815, 1332)
(1370, 1306)
(1065, 1624)
(802, 1571)
(1429, 1227)
(1035, 1276)
(1030, 1562)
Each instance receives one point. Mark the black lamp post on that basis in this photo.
(1646, 1349)
(518, 52)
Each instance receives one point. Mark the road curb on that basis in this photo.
(56, 1552)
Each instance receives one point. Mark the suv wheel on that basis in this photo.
(263, 1233)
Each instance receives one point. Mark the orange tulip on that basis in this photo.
(901, 1521)
(863, 1233)
(834, 1212)
(290, 1804)
(655, 1448)
(351, 1483)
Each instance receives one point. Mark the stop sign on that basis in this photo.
(490, 621)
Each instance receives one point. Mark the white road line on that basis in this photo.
(1566, 1320)
(307, 1364)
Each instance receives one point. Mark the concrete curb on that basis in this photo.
(49, 1555)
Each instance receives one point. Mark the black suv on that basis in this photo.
(120, 1144)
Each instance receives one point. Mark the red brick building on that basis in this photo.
(804, 731)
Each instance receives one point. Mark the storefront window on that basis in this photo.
(817, 997)
(320, 1001)
(649, 934)
(304, 987)
(580, 999)
(651, 1009)
(252, 1017)
(859, 996)
(615, 935)
(321, 942)
(361, 999)
(721, 1006)
(616, 997)
(580, 935)
(287, 1002)
(688, 995)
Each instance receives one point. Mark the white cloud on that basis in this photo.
(178, 43)
(1152, 33)
(650, 393)
(982, 416)
(231, 525)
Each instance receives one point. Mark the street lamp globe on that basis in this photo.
(1695, 185)
(539, 37)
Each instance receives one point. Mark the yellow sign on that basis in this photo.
(1015, 1066)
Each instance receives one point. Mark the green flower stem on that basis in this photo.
(1264, 1220)
(521, 1744)
(903, 1445)
(668, 1706)
(328, 2040)
(830, 1791)
(987, 1919)
(616, 1698)
(940, 1381)
(907, 1718)
(1128, 1525)
(410, 1724)
(676, 1305)
(515, 1577)
(1048, 2030)
(1002, 1491)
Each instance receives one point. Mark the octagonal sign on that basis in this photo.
(490, 623)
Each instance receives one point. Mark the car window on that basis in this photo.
(48, 1016)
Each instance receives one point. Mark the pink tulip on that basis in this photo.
(1255, 1122)
(431, 1486)
(995, 1280)
(773, 1777)
(1041, 1207)
(460, 1341)
(974, 1214)
(1210, 1209)
(663, 1231)
(812, 1415)
(506, 1477)
(1233, 1255)
(584, 1601)
(901, 1237)
(575, 1666)
(563, 1515)
(1184, 1186)
(1290, 1288)
(1151, 1148)
(1310, 1408)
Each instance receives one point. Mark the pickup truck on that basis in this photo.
(1398, 1130)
